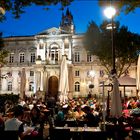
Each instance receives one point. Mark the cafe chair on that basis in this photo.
(94, 136)
(135, 135)
(9, 135)
(59, 134)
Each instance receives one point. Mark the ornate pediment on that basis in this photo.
(51, 31)
(21, 49)
(31, 49)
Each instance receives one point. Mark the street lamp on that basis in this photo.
(110, 12)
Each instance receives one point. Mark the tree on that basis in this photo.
(125, 43)
(3, 53)
(125, 5)
(17, 6)
(92, 37)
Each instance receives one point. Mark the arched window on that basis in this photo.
(77, 86)
(9, 86)
(31, 87)
(54, 53)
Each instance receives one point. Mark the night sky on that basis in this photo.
(36, 19)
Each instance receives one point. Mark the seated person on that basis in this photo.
(37, 121)
(79, 113)
(15, 123)
(59, 117)
(70, 115)
(89, 117)
(136, 111)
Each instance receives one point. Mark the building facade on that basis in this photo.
(33, 63)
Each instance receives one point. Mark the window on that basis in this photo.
(77, 86)
(89, 58)
(9, 86)
(54, 55)
(77, 57)
(101, 73)
(31, 73)
(77, 73)
(21, 57)
(32, 57)
(11, 58)
(41, 46)
(31, 88)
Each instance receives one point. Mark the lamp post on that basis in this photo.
(91, 85)
(110, 12)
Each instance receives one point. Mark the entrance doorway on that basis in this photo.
(53, 86)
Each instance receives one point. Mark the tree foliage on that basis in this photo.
(17, 7)
(3, 53)
(125, 5)
(99, 42)
(92, 34)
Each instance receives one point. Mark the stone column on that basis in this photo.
(35, 84)
(70, 50)
(38, 80)
(41, 80)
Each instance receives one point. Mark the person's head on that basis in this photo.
(18, 111)
(87, 109)
(35, 111)
(78, 108)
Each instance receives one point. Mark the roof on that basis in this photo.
(127, 80)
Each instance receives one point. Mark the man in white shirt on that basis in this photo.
(15, 123)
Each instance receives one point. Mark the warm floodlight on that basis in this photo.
(92, 73)
(110, 12)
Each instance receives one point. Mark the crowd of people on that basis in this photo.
(29, 116)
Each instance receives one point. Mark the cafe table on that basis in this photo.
(83, 133)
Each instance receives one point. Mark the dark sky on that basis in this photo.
(36, 19)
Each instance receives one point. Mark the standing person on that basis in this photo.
(15, 123)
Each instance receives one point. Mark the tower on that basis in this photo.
(66, 24)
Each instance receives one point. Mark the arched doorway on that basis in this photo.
(53, 86)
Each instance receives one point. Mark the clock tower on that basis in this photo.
(67, 25)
